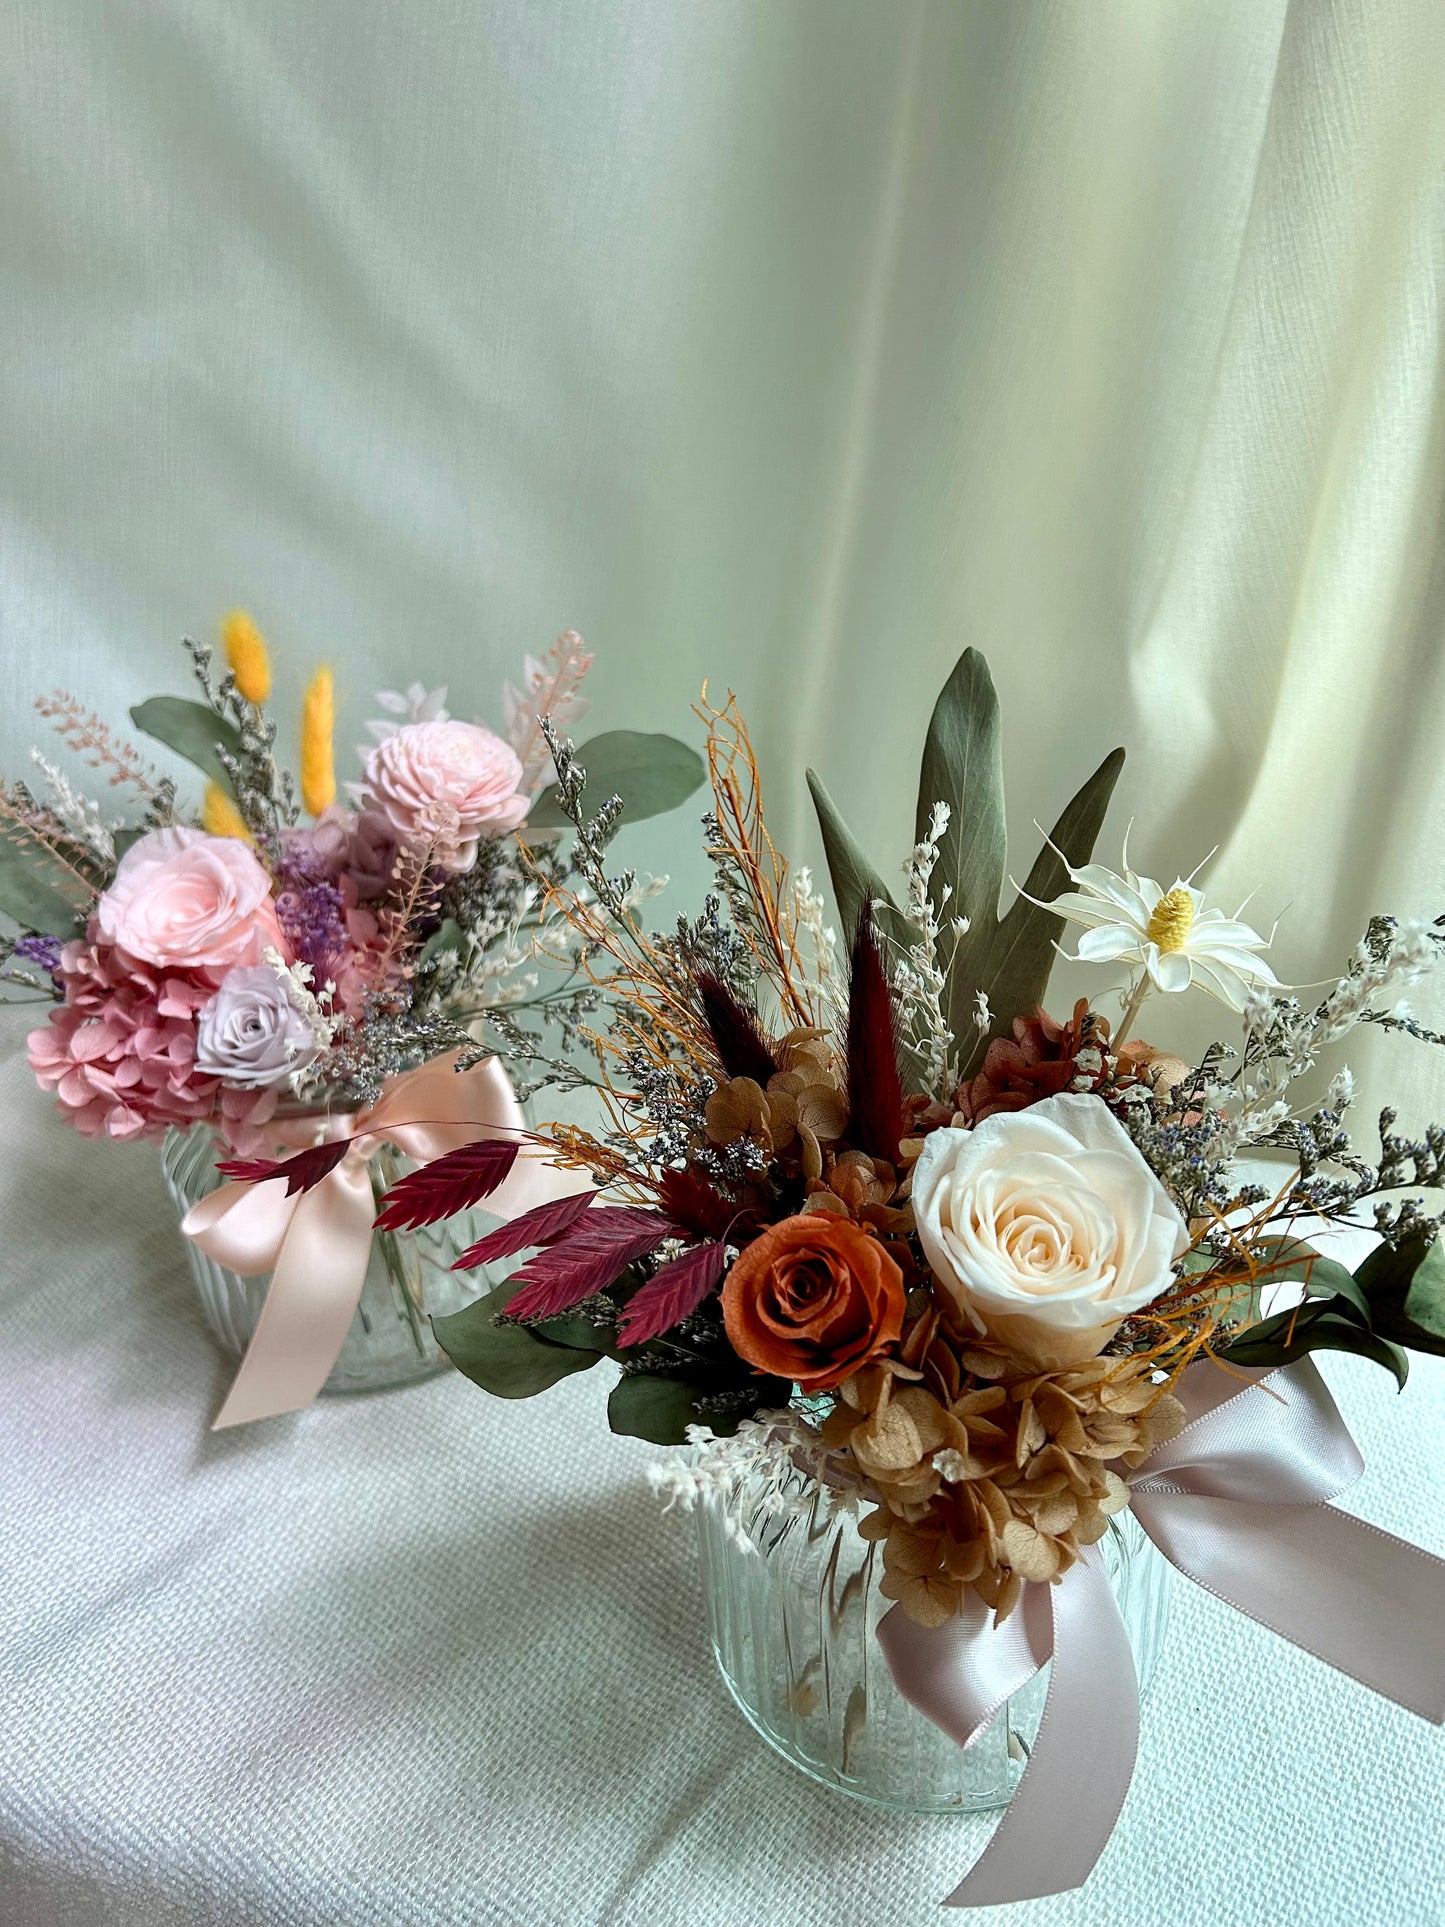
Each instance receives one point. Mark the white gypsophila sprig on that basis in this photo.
(919, 977)
(810, 918)
(1283, 1042)
(77, 811)
(771, 1467)
(298, 980)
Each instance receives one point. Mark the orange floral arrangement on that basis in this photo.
(873, 1232)
(981, 1245)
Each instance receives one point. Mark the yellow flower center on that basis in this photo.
(1172, 920)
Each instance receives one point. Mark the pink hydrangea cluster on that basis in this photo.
(185, 911)
(119, 1054)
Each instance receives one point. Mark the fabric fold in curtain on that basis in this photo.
(794, 345)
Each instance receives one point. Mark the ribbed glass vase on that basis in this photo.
(408, 1278)
(793, 1626)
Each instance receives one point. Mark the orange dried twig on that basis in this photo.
(753, 873)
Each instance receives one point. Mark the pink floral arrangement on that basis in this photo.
(278, 948)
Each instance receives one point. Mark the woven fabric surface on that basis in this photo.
(428, 1658)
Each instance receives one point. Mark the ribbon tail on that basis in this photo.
(315, 1288)
(960, 1673)
(1078, 1774)
(1363, 1601)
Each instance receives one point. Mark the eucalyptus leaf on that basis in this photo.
(854, 880)
(30, 895)
(577, 1333)
(1398, 1310)
(125, 839)
(510, 1361)
(963, 767)
(645, 1405)
(1318, 1326)
(1425, 1300)
(192, 731)
(1011, 959)
(651, 773)
(1291, 1260)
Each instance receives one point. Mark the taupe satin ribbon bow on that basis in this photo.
(317, 1244)
(1239, 1502)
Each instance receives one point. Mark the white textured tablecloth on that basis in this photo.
(431, 1659)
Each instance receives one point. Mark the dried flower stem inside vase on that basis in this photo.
(793, 1606)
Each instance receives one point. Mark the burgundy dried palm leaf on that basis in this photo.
(875, 1088)
(448, 1184)
(544, 1224)
(666, 1299)
(593, 1255)
(742, 1049)
(303, 1170)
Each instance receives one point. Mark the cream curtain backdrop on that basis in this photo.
(794, 343)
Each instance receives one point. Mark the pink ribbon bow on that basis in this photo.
(1239, 1502)
(317, 1244)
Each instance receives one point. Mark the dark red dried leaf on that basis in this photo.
(303, 1170)
(543, 1225)
(448, 1184)
(737, 1037)
(666, 1299)
(696, 1205)
(593, 1255)
(875, 1088)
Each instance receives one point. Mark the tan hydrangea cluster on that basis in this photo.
(989, 1477)
(800, 1111)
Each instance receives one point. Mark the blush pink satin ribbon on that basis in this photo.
(317, 1244)
(1239, 1502)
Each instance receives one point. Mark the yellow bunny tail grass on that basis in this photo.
(318, 721)
(248, 656)
(220, 817)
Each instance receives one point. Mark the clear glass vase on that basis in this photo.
(409, 1278)
(793, 1625)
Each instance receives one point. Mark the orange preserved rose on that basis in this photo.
(813, 1299)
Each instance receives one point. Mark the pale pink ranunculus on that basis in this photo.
(447, 785)
(187, 901)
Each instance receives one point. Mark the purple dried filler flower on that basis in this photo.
(313, 918)
(41, 951)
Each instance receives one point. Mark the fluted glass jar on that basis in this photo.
(409, 1279)
(793, 1624)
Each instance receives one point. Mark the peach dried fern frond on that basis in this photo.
(25, 827)
(552, 691)
(83, 731)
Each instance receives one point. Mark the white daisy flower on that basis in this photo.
(1170, 935)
